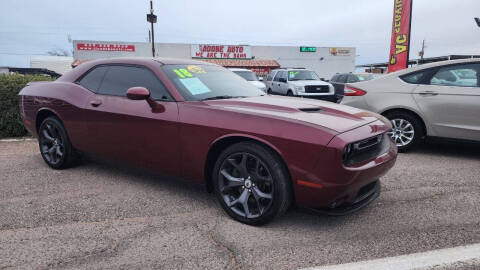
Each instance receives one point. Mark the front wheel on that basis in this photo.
(406, 130)
(251, 183)
(55, 145)
(290, 93)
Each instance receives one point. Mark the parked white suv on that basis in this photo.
(299, 82)
(250, 76)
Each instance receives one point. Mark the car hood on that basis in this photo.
(308, 82)
(339, 118)
(258, 84)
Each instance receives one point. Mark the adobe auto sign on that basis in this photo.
(221, 51)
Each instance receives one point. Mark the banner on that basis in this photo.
(221, 51)
(400, 44)
(105, 47)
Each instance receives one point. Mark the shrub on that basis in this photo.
(10, 121)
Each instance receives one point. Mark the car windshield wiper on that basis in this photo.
(222, 97)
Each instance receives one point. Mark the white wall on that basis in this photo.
(322, 61)
(59, 64)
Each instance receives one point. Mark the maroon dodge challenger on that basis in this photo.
(193, 120)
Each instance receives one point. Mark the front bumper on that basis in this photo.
(363, 199)
(333, 186)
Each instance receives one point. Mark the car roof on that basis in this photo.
(435, 64)
(239, 69)
(279, 69)
(145, 61)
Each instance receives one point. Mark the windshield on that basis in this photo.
(247, 75)
(201, 82)
(300, 75)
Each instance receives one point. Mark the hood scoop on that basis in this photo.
(310, 110)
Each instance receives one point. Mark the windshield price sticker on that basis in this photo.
(183, 73)
(195, 86)
(292, 74)
(196, 69)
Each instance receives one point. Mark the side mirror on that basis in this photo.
(138, 93)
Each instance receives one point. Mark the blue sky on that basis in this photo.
(34, 27)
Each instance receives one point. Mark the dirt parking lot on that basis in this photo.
(102, 216)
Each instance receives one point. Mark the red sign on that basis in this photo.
(400, 44)
(105, 47)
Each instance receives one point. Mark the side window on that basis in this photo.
(334, 78)
(457, 75)
(119, 79)
(93, 79)
(352, 78)
(414, 78)
(342, 78)
(277, 76)
(270, 76)
(283, 75)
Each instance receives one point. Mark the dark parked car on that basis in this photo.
(339, 80)
(199, 121)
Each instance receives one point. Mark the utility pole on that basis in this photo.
(152, 18)
(422, 52)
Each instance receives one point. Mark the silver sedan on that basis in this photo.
(433, 100)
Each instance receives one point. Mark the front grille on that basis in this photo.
(366, 149)
(317, 89)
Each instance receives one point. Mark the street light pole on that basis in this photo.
(152, 18)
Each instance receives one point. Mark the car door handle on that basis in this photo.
(428, 93)
(95, 103)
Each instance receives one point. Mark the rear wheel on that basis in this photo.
(406, 131)
(251, 183)
(55, 145)
(269, 91)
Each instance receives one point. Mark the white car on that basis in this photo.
(441, 99)
(250, 77)
(299, 82)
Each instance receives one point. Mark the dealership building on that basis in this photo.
(325, 61)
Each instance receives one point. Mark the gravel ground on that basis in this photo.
(100, 216)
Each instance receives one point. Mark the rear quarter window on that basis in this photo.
(93, 78)
(414, 78)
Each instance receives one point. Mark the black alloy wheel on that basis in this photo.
(55, 145)
(251, 183)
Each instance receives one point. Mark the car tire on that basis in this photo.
(252, 183)
(407, 130)
(54, 144)
(269, 91)
(290, 93)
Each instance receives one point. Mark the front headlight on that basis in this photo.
(300, 89)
